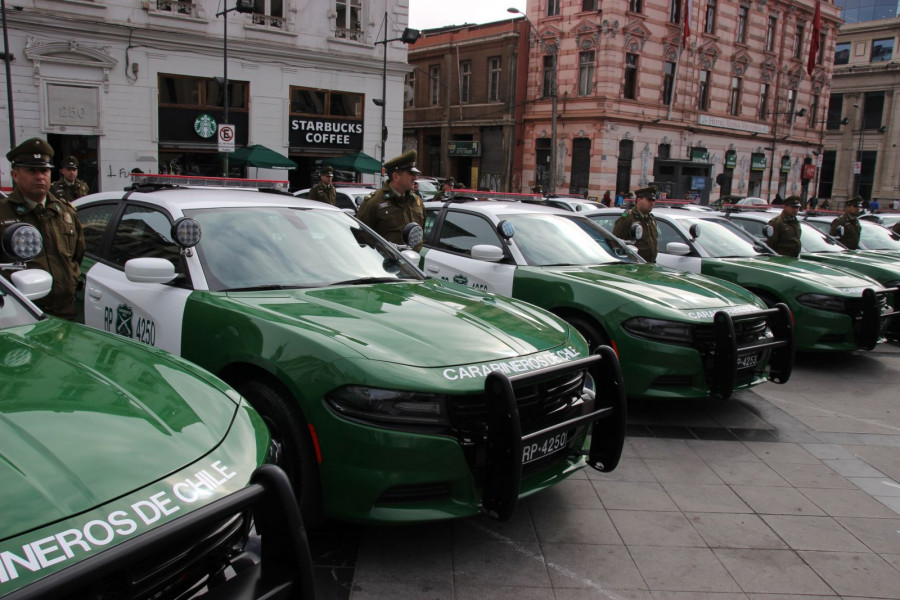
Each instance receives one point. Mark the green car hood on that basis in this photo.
(427, 324)
(86, 417)
(877, 268)
(827, 279)
(657, 285)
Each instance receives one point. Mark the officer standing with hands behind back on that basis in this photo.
(390, 208)
(648, 244)
(32, 202)
(850, 223)
(324, 190)
(69, 187)
(785, 238)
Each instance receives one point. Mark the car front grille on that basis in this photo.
(745, 331)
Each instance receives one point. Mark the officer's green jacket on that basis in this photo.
(57, 220)
(388, 213)
(852, 230)
(69, 191)
(648, 245)
(323, 192)
(785, 238)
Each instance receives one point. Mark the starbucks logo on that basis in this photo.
(205, 126)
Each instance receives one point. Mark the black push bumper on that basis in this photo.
(870, 326)
(283, 569)
(505, 440)
(728, 351)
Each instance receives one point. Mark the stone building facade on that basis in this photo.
(131, 84)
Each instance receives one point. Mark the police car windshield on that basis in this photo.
(557, 240)
(271, 247)
(13, 311)
(876, 237)
(813, 240)
(722, 239)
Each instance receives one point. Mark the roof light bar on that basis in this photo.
(196, 181)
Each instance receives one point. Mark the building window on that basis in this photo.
(434, 84)
(586, 73)
(814, 112)
(792, 107)
(734, 103)
(494, 79)
(743, 19)
(820, 55)
(552, 8)
(835, 108)
(581, 166)
(587, 5)
(664, 151)
(348, 23)
(635, 5)
(882, 50)
(763, 102)
(631, 72)
(873, 109)
(547, 87)
(842, 53)
(710, 25)
(409, 93)
(198, 92)
(268, 13)
(465, 81)
(703, 92)
(330, 103)
(675, 11)
(668, 81)
(798, 39)
(771, 31)
(186, 7)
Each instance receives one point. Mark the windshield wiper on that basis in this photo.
(366, 280)
(262, 288)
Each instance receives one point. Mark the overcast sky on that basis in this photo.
(427, 14)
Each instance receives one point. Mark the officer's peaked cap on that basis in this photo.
(327, 171)
(404, 162)
(69, 162)
(793, 201)
(648, 192)
(31, 153)
(855, 201)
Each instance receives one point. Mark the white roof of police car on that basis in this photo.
(176, 200)
(498, 209)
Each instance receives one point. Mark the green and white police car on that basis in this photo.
(834, 310)
(126, 472)
(391, 397)
(677, 335)
(873, 237)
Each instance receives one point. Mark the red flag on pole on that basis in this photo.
(686, 33)
(816, 36)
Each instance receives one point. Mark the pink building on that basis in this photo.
(732, 111)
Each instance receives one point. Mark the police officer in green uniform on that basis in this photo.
(324, 190)
(390, 208)
(648, 244)
(850, 222)
(446, 188)
(32, 202)
(785, 238)
(69, 187)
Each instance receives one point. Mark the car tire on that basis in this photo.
(594, 335)
(766, 297)
(290, 433)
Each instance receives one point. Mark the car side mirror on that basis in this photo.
(413, 234)
(678, 248)
(637, 232)
(768, 231)
(33, 283)
(148, 269)
(487, 252)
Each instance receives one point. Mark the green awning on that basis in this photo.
(261, 157)
(357, 161)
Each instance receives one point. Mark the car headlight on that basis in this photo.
(823, 302)
(389, 407)
(661, 330)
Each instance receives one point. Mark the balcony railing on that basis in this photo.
(348, 34)
(178, 8)
(269, 21)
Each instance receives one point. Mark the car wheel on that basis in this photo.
(766, 297)
(290, 434)
(594, 335)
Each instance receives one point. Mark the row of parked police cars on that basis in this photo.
(250, 361)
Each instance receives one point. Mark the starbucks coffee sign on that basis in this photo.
(205, 126)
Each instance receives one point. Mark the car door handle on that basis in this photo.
(431, 269)
(94, 293)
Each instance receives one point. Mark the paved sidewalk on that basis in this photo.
(786, 492)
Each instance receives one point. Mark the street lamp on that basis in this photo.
(242, 6)
(791, 112)
(553, 52)
(409, 36)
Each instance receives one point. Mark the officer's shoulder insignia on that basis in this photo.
(384, 205)
(625, 214)
(67, 218)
